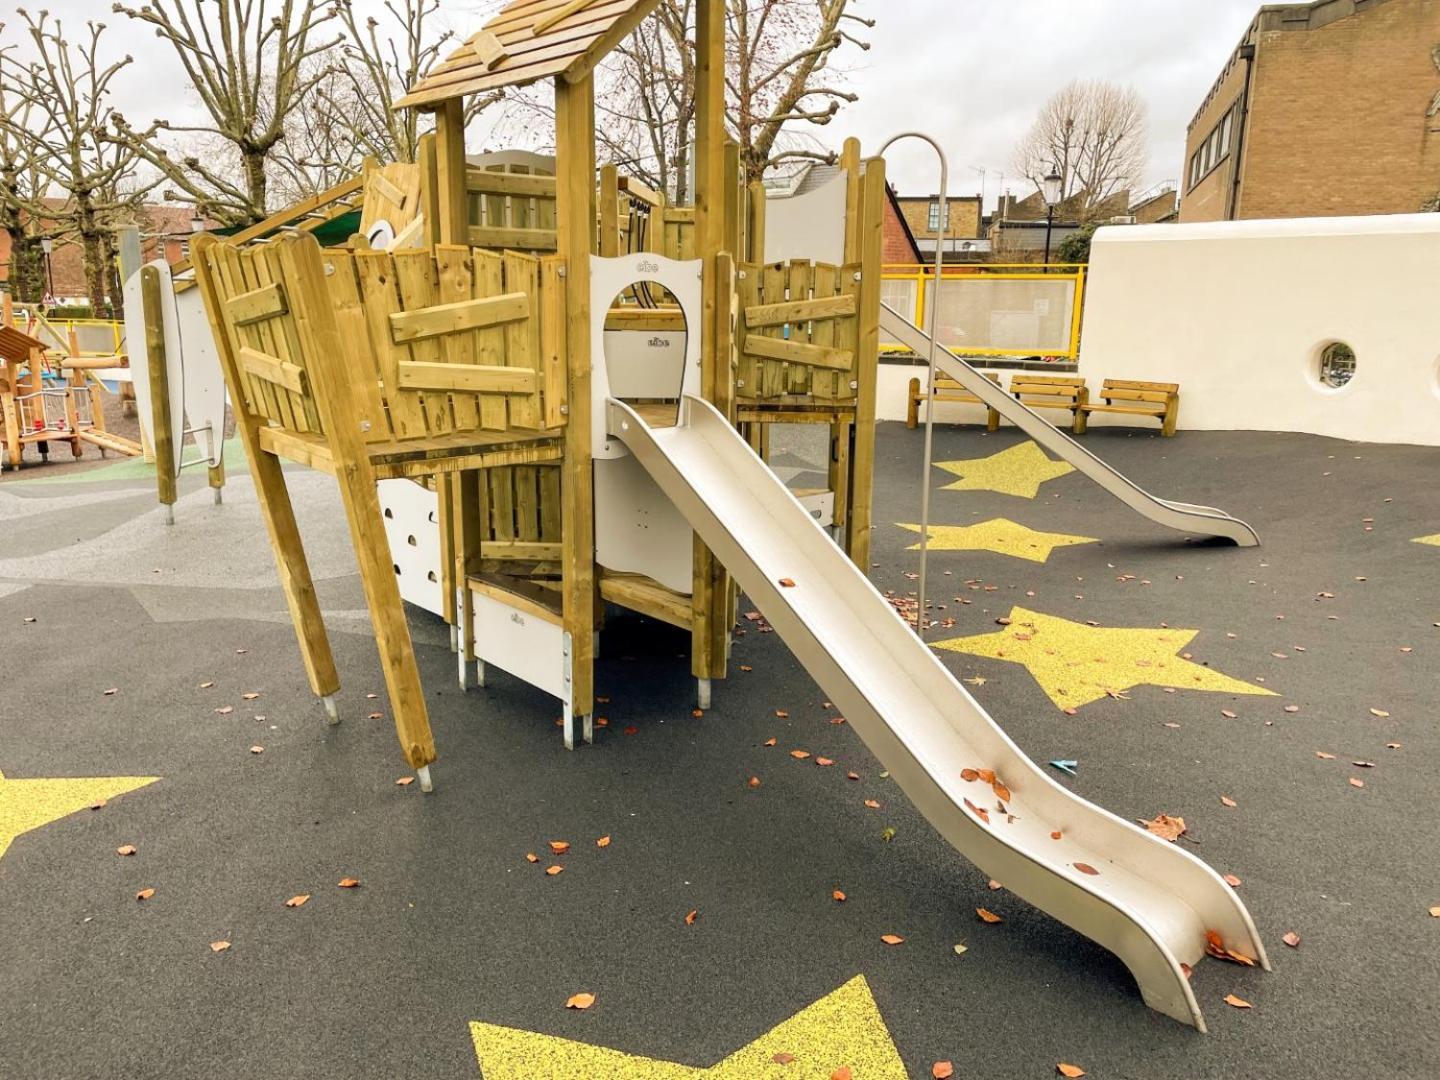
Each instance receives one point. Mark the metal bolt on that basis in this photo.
(854, 385)
(857, 275)
(562, 271)
(742, 275)
(564, 410)
(364, 425)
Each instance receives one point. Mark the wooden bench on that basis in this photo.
(947, 389)
(1126, 396)
(1054, 392)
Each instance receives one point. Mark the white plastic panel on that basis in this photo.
(140, 355)
(204, 381)
(521, 643)
(637, 529)
(645, 363)
(413, 529)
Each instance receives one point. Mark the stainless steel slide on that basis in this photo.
(1148, 901)
(1183, 517)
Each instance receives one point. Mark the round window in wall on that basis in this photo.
(1337, 365)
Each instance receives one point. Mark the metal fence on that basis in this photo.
(994, 310)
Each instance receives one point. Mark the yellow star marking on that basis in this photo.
(1433, 541)
(844, 1028)
(1077, 664)
(1018, 471)
(1002, 536)
(29, 804)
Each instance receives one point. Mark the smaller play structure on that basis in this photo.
(49, 396)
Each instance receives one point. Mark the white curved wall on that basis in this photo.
(1238, 312)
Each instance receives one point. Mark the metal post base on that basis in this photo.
(332, 709)
(169, 514)
(423, 775)
(587, 728)
(454, 639)
(218, 498)
(702, 693)
(480, 673)
(464, 671)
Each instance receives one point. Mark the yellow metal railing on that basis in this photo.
(92, 337)
(1068, 280)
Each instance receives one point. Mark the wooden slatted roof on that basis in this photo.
(527, 41)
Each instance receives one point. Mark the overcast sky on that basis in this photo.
(970, 72)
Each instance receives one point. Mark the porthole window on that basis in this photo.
(1337, 365)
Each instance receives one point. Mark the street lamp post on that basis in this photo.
(1050, 192)
(47, 245)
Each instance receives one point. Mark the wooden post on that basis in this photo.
(850, 162)
(165, 481)
(131, 258)
(429, 187)
(710, 627)
(73, 384)
(575, 235)
(275, 506)
(454, 224)
(862, 459)
(609, 211)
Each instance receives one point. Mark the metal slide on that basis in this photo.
(1182, 517)
(1148, 901)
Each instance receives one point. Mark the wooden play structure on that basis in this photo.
(47, 396)
(469, 365)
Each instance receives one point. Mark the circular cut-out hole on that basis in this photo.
(1337, 365)
(397, 569)
(433, 519)
(411, 541)
(431, 576)
(390, 513)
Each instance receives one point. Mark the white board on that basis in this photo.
(140, 357)
(412, 527)
(203, 379)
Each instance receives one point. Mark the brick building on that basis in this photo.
(965, 238)
(1324, 109)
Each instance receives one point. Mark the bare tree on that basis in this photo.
(68, 86)
(21, 187)
(252, 64)
(1094, 134)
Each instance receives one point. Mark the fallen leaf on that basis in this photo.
(892, 939)
(782, 1058)
(942, 1070)
(206, 685)
(1166, 827)
(838, 896)
(1057, 835)
(852, 776)
(986, 775)
(888, 833)
(531, 857)
(405, 781)
(1292, 708)
(559, 847)
(127, 849)
(224, 710)
(1232, 881)
(1225, 800)
(375, 716)
(782, 714)
(249, 697)
(1435, 912)
(770, 742)
(144, 894)
(842, 1073)
(1381, 713)
(754, 781)
(969, 775)
(961, 949)
(1292, 939)
(604, 841)
(1001, 791)
(872, 804)
(219, 946)
(98, 804)
(551, 871)
(1323, 756)
(632, 730)
(580, 1001)
(1086, 868)
(297, 901)
(786, 583)
(1072, 1071)
(112, 691)
(349, 883)
(1227, 714)
(988, 916)
(1356, 783)
(1237, 1002)
(691, 916)
(824, 761)
(799, 755)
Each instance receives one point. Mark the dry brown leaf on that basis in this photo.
(1292, 708)
(559, 847)
(1323, 756)
(249, 697)
(126, 849)
(553, 870)
(405, 781)
(1227, 714)
(1292, 939)
(1232, 881)
(872, 804)
(1072, 1071)
(842, 1073)
(892, 939)
(298, 901)
(1086, 868)
(1354, 782)
(691, 916)
(852, 776)
(825, 761)
(206, 685)
(1435, 912)
(531, 857)
(349, 883)
(969, 775)
(112, 691)
(1225, 800)
(782, 1058)
(942, 1070)
(604, 841)
(1237, 1002)
(988, 916)
(838, 896)
(580, 1001)
(786, 583)
(986, 775)
(219, 946)
(770, 742)
(1058, 835)
(754, 781)
(1001, 791)
(257, 749)
(98, 804)
(1381, 713)
(144, 894)
(799, 755)
(1166, 827)
(782, 714)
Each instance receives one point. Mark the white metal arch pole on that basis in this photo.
(932, 315)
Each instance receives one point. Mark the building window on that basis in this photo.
(934, 220)
(1337, 365)
(1214, 149)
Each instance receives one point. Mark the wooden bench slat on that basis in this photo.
(468, 378)
(406, 326)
